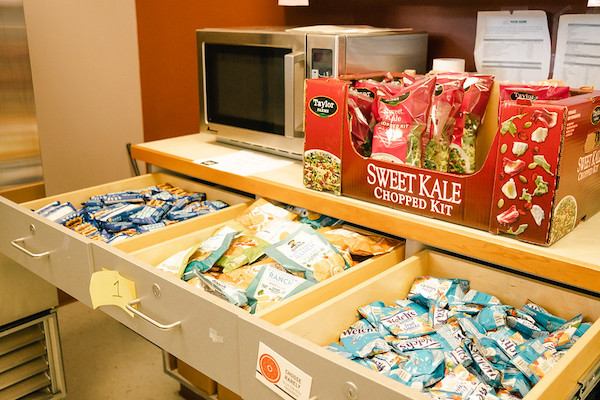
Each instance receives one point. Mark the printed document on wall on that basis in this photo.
(577, 59)
(513, 45)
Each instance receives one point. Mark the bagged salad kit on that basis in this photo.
(529, 169)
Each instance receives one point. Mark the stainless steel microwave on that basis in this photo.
(251, 80)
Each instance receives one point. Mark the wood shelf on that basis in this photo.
(574, 260)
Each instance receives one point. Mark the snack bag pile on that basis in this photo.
(426, 121)
(114, 217)
(454, 342)
(270, 253)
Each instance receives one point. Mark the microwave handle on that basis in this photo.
(290, 61)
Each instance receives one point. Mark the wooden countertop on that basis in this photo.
(574, 260)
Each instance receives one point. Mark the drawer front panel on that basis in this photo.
(333, 377)
(51, 251)
(205, 334)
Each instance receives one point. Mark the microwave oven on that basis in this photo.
(251, 80)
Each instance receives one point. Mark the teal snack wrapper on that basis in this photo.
(543, 318)
(224, 290)
(363, 343)
(340, 350)
(492, 317)
(404, 323)
(428, 291)
(484, 368)
(388, 361)
(515, 381)
(416, 343)
(424, 368)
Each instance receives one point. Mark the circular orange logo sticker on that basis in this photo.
(269, 368)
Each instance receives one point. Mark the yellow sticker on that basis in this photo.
(110, 288)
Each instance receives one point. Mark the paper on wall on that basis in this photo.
(513, 45)
(577, 59)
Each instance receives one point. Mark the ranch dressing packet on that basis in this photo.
(176, 263)
(272, 285)
(307, 251)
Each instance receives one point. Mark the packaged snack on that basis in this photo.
(243, 276)
(186, 200)
(209, 251)
(244, 249)
(55, 210)
(416, 307)
(307, 251)
(88, 229)
(542, 317)
(150, 214)
(445, 107)
(484, 299)
(427, 291)
(367, 362)
(416, 343)
(272, 285)
(363, 343)
(525, 327)
(223, 290)
(438, 315)
(119, 226)
(339, 349)
(372, 312)
(177, 263)
(458, 381)
(345, 238)
(153, 227)
(278, 229)
(260, 214)
(402, 119)
(73, 219)
(121, 213)
(462, 149)
(514, 381)
(484, 368)
(404, 322)
(471, 327)
(423, 369)
(388, 361)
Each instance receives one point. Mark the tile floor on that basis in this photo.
(105, 360)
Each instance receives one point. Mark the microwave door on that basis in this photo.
(293, 93)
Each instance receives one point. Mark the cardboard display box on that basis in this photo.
(332, 163)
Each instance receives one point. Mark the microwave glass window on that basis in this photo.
(322, 63)
(245, 86)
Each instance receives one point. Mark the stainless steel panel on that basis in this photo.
(333, 377)
(56, 254)
(19, 148)
(204, 332)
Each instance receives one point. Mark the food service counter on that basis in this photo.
(222, 341)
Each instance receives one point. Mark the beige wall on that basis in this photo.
(85, 68)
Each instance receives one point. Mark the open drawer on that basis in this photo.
(63, 257)
(300, 340)
(204, 359)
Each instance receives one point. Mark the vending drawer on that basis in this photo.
(195, 326)
(300, 340)
(63, 257)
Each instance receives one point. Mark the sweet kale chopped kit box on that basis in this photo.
(535, 190)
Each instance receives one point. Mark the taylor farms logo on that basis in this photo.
(395, 100)
(323, 106)
(416, 190)
(366, 91)
(595, 115)
(523, 95)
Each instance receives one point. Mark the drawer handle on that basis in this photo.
(140, 314)
(16, 244)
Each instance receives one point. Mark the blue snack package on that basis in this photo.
(363, 343)
(428, 290)
(367, 362)
(120, 226)
(458, 290)
(122, 197)
(515, 381)
(438, 316)
(185, 201)
(452, 335)
(484, 368)
(480, 298)
(493, 351)
(458, 383)
(388, 361)
(372, 312)
(74, 218)
(119, 213)
(543, 318)
(419, 309)
(492, 317)
(119, 237)
(562, 338)
(215, 204)
(56, 210)
(416, 343)
(151, 227)
(471, 327)
(581, 330)
(224, 290)
(339, 349)
(149, 214)
(423, 369)
(404, 322)
(164, 196)
(535, 358)
(525, 327)
(459, 355)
